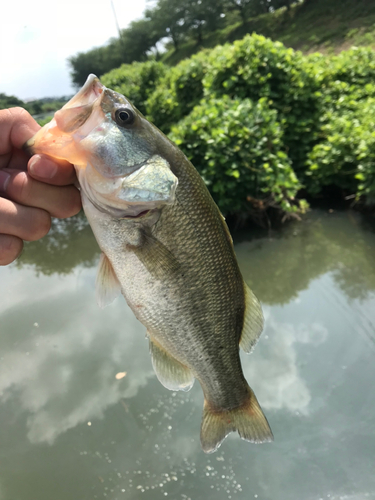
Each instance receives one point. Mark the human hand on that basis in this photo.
(31, 190)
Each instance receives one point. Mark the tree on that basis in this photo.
(169, 18)
(243, 7)
(99, 60)
(10, 101)
(133, 45)
(203, 15)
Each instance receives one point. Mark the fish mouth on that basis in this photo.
(75, 113)
(91, 90)
(73, 116)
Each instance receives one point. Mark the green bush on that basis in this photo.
(346, 156)
(342, 96)
(236, 145)
(178, 92)
(256, 67)
(136, 81)
(354, 67)
(44, 121)
(313, 113)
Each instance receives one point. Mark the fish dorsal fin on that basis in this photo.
(107, 285)
(253, 321)
(170, 372)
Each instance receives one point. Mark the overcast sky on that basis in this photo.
(37, 37)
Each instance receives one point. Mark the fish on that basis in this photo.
(166, 247)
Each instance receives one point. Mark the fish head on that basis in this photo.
(113, 148)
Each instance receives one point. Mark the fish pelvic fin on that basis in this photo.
(248, 420)
(107, 285)
(171, 373)
(253, 321)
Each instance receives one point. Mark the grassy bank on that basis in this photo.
(328, 26)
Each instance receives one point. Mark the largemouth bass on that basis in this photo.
(166, 247)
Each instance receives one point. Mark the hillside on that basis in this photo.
(328, 26)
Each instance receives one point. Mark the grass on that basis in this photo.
(327, 26)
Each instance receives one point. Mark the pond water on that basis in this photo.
(71, 430)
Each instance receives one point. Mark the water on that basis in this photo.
(71, 430)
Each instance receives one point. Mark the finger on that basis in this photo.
(10, 248)
(60, 202)
(15, 159)
(56, 172)
(17, 126)
(27, 223)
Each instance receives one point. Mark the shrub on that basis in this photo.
(256, 67)
(346, 156)
(354, 67)
(236, 145)
(136, 81)
(178, 92)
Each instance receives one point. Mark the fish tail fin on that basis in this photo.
(248, 420)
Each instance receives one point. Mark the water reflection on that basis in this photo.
(277, 266)
(278, 359)
(61, 364)
(70, 243)
(59, 354)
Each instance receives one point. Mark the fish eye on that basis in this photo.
(124, 116)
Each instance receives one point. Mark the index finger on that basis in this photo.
(17, 126)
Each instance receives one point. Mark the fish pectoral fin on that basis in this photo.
(170, 372)
(248, 420)
(158, 260)
(107, 285)
(253, 321)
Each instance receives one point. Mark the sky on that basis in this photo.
(37, 37)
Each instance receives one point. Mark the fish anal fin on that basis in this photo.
(107, 285)
(248, 420)
(170, 372)
(253, 321)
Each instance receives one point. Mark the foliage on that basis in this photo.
(203, 16)
(168, 17)
(45, 120)
(256, 67)
(325, 25)
(36, 107)
(354, 67)
(346, 156)
(236, 145)
(133, 44)
(178, 92)
(10, 101)
(136, 81)
(295, 120)
(99, 60)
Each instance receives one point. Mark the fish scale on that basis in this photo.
(167, 248)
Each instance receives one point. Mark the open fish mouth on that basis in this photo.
(70, 118)
(91, 90)
(76, 112)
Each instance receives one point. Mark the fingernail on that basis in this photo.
(4, 180)
(42, 167)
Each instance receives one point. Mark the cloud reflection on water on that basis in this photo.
(277, 363)
(63, 371)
